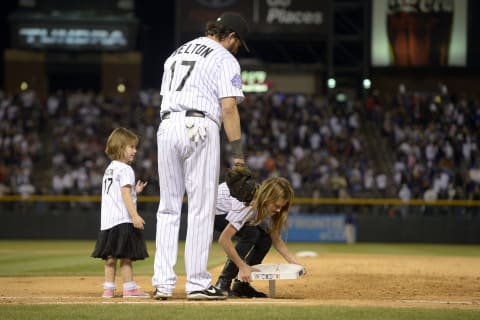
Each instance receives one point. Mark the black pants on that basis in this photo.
(253, 244)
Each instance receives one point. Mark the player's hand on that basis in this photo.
(138, 222)
(245, 273)
(140, 186)
(300, 264)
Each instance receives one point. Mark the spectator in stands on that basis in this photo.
(297, 136)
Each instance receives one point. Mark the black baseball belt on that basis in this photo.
(188, 113)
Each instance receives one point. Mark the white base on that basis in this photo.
(277, 271)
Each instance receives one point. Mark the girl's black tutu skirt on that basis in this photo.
(121, 242)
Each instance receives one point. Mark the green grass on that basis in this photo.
(212, 311)
(398, 249)
(72, 258)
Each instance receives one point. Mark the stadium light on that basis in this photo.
(121, 88)
(367, 84)
(341, 97)
(331, 83)
(24, 85)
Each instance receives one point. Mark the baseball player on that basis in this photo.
(121, 236)
(256, 225)
(200, 89)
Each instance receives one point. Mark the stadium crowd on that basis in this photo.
(435, 143)
(55, 145)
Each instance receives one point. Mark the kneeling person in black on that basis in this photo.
(255, 226)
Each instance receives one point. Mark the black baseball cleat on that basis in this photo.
(212, 293)
(245, 290)
(157, 295)
(224, 284)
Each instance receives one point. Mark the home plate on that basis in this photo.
(277, 271)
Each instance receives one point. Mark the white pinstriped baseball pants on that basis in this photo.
(185, 165)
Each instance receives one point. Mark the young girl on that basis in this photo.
(262, 221)
(121, 230)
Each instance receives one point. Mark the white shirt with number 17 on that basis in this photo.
(114, 212)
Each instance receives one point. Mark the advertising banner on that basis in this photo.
(29, 31)
(264, 17)
(419, 33)
(320, 228)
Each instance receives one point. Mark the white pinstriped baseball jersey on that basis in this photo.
(197, 75)
(238, 214)
(114, 212)
(225, 202)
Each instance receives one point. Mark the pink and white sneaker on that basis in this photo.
(108, 293)
(135, 293)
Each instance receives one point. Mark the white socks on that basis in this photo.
(129, 285)
(109, 285)
(126, 286)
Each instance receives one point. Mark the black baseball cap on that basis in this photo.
(238, 25)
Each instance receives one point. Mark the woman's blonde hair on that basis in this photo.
(117, 142)
(272, 190)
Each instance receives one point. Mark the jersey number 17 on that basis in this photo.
(189, 65)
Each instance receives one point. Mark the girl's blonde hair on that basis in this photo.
(118, 141)
(272, 190)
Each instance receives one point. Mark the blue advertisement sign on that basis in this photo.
(320, 228)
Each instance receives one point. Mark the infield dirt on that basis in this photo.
(332, 279)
